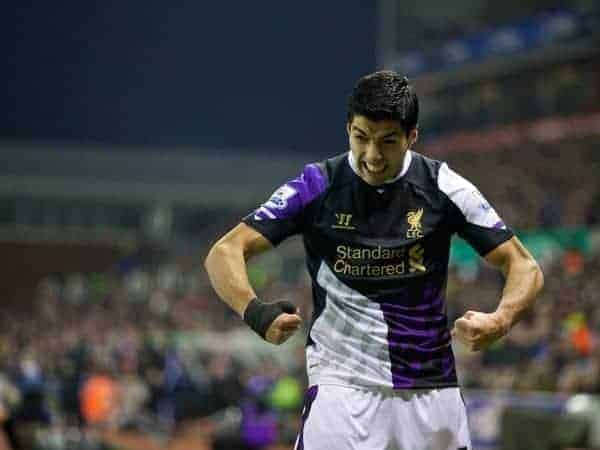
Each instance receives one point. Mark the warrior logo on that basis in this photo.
(343, 221)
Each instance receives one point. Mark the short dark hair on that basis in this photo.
(385, 95)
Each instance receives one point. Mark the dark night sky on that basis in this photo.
(259, 75)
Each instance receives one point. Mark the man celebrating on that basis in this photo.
(377, 223)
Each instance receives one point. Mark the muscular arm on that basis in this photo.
(523, 281)
(226, 265)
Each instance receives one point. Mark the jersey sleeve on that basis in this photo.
(283, 214)
(473, 218)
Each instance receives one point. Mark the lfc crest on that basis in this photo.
(415, 228)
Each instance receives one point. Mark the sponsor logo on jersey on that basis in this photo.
(415, 228)
(379, 262)
(343, 222)
(416, 256)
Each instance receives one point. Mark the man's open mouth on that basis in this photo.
(375, 170)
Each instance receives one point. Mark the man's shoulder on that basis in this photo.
(329, 169)
(331, 165)
(426, 159)
(424, 171)
(314, 180)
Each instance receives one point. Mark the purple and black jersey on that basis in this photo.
(378, 259)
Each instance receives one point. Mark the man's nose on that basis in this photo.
(373, 154)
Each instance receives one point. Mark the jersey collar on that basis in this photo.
(405, 165)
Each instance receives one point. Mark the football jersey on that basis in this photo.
(378, 260)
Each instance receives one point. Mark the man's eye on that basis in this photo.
(389, 141)
(360, 137)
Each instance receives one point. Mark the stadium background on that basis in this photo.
(132, 135)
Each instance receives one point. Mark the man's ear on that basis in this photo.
(348, 125)
(413, 136)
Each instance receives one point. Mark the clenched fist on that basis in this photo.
(274, 322)
(477, 330)
(282, 328)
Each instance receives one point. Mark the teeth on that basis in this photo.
(374, 169)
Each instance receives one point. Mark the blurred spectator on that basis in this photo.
(99, 399)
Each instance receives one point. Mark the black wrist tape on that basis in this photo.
(259, 315)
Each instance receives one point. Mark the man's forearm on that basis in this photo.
(227, 271)
(225, 264)
(524, 280)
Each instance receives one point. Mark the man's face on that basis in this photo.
(378, 148)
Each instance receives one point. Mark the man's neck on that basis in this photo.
(405, 166)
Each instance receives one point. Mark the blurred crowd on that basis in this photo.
(538, 186)
(147, 351)
(547, 91)
(427, 29)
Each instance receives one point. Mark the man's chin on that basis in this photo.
(372, 179)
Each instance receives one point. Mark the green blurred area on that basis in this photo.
(541, 243)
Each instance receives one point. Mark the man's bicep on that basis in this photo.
(247, 239)
(507, 252)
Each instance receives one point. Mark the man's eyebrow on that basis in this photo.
(358, 129)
